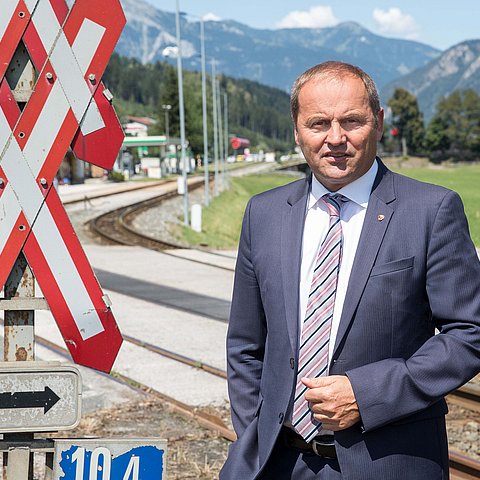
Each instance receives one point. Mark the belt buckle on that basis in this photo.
(315, 444)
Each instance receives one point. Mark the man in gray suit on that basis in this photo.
(356, 306)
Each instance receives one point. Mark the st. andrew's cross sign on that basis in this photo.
(69, 107)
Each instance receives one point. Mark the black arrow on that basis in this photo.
(46, 399)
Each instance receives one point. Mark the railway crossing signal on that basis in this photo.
(69, 107)
(39, 396)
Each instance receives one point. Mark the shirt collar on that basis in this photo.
(358, 191)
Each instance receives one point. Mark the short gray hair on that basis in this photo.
(334, 69)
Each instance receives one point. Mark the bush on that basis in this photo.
(116, 176)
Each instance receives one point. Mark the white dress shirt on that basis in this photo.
(317, 221)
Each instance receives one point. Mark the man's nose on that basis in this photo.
(336, 135)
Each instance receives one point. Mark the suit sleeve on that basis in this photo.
(395, 388)
(246, 335)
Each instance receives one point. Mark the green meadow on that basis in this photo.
(464, 179)
(221, 222)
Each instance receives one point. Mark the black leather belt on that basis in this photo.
(322, 445)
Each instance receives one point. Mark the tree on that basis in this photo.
(256, 112)
(169, 96)
(471, 107)
(408, 119)
(455, 126)
(436, 138)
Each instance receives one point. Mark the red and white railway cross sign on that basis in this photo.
(69, 49)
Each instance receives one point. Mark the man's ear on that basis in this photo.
(380, 117)
(296, 135)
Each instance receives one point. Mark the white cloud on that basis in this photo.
(317, 17)
(211, 17)
(394, 22)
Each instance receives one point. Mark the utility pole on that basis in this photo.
(182, 118)
(220, 131)
(167, 109)
(204, 112)
(225, 118)
(215, 130)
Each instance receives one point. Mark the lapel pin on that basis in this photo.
(380, 217)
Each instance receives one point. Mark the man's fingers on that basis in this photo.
(315, 382)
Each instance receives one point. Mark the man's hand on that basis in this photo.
(332, 401)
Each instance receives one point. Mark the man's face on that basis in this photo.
(336, 130)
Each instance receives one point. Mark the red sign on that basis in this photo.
(69, 107)
(238, 142)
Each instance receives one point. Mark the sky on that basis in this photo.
(438, 23)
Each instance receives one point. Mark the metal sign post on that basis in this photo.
(18, 345)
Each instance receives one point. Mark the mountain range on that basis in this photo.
(276, 57)
(271, 57)
(458, 68)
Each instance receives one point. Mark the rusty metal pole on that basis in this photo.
(19, 330)
(18, 341)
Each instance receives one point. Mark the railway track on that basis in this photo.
(116, 227)
(210, 421)
(467, 396)
(461, 466)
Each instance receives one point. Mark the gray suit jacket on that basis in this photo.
(416, 270)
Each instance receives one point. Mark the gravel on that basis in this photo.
(463, 428)
(193, 452)
(159, 222)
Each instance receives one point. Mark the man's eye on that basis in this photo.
(352, 121)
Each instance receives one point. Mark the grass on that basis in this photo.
(464, 179)
(222, 220)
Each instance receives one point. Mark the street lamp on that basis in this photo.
(220, 130)
(204, 102)
(215, 124)
(167, 109)
(204, 110)
(225, 118)
(182, 117)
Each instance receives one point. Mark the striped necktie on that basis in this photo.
(313, 352)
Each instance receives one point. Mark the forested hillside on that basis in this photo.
(255, 111)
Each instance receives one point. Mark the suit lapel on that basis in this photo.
(377, 218)
(293, 221)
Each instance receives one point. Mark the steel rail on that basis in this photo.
(208, 420)
(177, 357)
(80, 198)
(116, 227)
(462, 467)
(467, 396)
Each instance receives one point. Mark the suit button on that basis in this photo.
(292, 363)
(281, 416)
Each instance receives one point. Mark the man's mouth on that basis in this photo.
(336, 156)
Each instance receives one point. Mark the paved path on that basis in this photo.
(169, 302)
(162, 299)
